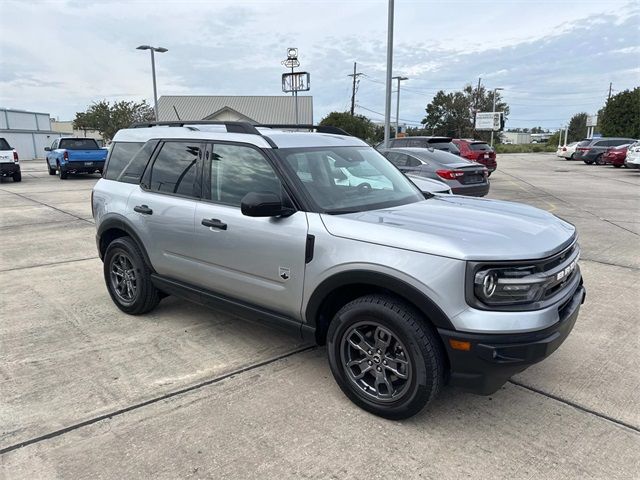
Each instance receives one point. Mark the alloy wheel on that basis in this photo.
(376, 361)
(124, 280)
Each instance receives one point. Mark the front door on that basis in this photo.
(259, 261)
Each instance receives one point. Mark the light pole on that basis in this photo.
(493, 110)
(399, 78)
(387, 98)
(153, 72)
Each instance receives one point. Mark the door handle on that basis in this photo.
(214, 223)
(143, 209)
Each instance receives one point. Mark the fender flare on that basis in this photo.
(381, 280)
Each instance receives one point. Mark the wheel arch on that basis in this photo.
(113, 228)
(341, 288)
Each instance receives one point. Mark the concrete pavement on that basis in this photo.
(185, 392)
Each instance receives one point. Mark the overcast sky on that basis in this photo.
(553, 58)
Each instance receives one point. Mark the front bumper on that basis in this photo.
(494, 358)
(9, 168)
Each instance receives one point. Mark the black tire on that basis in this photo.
(17, 177)
(52, 171)
(572, 157)
(616, 165)
(599, 160)
(416, 353)
(62, 173)
(145, 296)
(588, 162)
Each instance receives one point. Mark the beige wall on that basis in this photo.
(66, 127)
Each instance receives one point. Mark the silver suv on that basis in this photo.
(408, 293)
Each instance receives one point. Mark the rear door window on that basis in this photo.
(398, 159)
(175, 168)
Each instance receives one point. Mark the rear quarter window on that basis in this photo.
(4, 145)
(123, 159)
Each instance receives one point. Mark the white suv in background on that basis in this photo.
(9, 162)
(633, 156)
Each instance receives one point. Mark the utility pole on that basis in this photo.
(355, 75)
(475, 106)
(610, 85)
(387, 99)
(399, 78)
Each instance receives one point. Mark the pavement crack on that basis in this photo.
(50, 206)
(136, 406)
(576, 406)
(48, 264)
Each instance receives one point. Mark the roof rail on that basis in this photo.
(317, 128)
(232, 127)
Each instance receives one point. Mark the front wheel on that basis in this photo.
(588, 162)
(128, 278)
(384, 356)
(52, 171)
(617, 165)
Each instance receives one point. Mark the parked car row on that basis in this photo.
(599, 151)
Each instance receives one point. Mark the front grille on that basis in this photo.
(560, 270)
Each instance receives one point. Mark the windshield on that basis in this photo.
(348, 179)
(4, 145)
(78, 144)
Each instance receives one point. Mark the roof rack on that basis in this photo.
(317, 128)
(232, 127)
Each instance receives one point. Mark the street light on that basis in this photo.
(387, 95)
(153, 72)
(493, 110)
(399, 78)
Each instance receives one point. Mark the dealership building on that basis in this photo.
(27, 132)
(253, 109)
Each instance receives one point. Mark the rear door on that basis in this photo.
(260, 261)
(163, 206)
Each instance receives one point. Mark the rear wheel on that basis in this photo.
(17, 177)
(128, 278)
(600, 160)
(384, 356)
(62, 173)
(617, 165)
(588, 162)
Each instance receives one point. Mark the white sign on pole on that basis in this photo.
(592, 121)
(488, 121)
(296, 82)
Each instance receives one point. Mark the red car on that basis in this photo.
(477, 151)
(616, 156)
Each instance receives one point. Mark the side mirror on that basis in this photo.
(47, 149)
(268, 204)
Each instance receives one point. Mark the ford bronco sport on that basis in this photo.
(408, 293)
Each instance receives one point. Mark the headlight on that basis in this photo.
(509, 285)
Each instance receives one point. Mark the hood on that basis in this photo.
(459, 227)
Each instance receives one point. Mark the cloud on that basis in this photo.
(550, 65)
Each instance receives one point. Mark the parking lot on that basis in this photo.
(184, 392)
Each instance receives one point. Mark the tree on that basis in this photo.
(108, 119)
(356, 125)
(577, 127)
(452, 114)
(620, 117)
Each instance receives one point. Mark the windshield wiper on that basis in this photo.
(340, 211)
